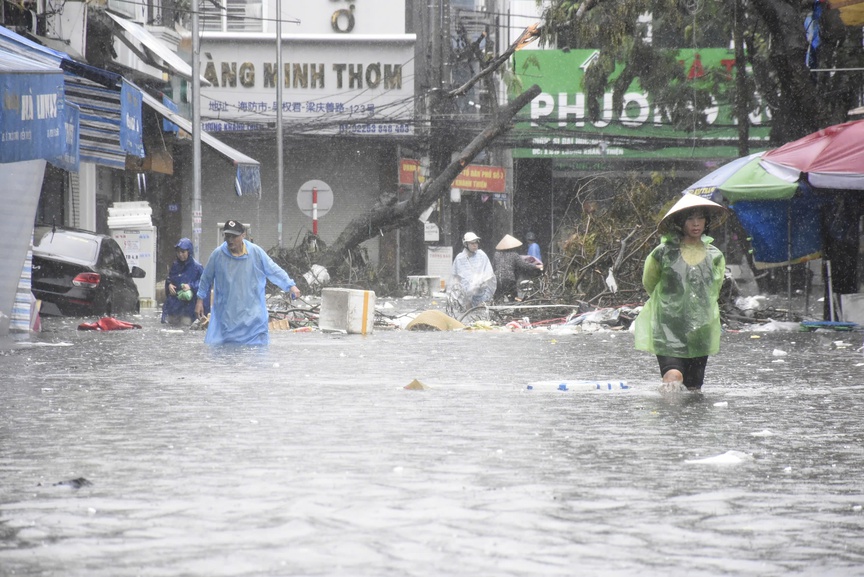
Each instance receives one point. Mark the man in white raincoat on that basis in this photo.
(472, 273)
(239, 270)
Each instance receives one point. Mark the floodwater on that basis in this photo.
(309, 457)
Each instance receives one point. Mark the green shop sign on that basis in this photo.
(559, 128)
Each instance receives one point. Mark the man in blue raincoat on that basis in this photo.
(238, 271)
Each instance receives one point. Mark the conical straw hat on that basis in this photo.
(687, 201)
(507, 243)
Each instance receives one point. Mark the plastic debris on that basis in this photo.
(415, 385)
(434, 320)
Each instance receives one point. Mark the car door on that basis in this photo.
(122, 293)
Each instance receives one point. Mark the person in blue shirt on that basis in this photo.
(238, 272)
(181, 286)
(533, 247)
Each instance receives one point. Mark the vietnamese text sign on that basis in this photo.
(559, 125)
(480, 178)
(358, 86)
(32, 116)
(473, 177)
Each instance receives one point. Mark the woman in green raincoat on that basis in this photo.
(680, 323)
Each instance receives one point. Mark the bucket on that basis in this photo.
(347, 310)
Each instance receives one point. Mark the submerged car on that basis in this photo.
(82, 273)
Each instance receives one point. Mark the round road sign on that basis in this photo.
(319, 189)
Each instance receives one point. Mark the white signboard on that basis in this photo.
(439, 262)
(139, 246)
(431, 232)
(340, 85)
(343, 17)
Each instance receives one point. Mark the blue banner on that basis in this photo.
(131, 127)
(31, 116)
(71, 158)
(167, 125)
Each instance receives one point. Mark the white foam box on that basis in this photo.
(347, 310)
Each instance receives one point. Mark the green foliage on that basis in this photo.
(772, 33)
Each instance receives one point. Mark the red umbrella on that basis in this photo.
(831, 158)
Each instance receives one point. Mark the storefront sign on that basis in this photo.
(410, 169)
(480, 178)
(349, 85)
(559, 126)
(32, 116)
(476, 177)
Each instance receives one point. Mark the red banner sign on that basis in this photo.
(473, 177)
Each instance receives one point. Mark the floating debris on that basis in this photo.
(74, 483)
(416, 385)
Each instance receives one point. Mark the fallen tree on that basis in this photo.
(390, 213)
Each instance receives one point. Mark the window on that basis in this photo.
(232, 15)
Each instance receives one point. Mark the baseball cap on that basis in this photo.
(234, 227)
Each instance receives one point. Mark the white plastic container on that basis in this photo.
(347, 310)
(578, 386)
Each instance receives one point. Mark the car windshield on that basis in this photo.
(72, 247)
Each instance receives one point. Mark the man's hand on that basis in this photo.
(199, 309)
(294, 292)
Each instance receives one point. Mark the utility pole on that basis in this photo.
(439, 152)
(280, 167)
(197, 217)
(740, 81)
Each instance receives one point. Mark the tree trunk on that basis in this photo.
(389, 214)
(799, 110)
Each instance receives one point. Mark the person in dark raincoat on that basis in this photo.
(680, 323)
(181, 286)
(510, 267)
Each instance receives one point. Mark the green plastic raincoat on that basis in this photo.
(682, 317)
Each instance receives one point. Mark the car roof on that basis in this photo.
(41, 229)
(68, 244)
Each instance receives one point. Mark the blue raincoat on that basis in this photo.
(188, 272)
(239, 308)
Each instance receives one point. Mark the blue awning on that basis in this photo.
(109, 113)
(32, 113)
(97, 93)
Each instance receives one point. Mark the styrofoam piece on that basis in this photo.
(143, 210)
(588, 385)
(347, 310)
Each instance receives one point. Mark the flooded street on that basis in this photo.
(310, 458)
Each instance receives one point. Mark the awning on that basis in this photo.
(54, 44)
(248, 179)
(95, 91)
(150, 49)
(33, 113)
